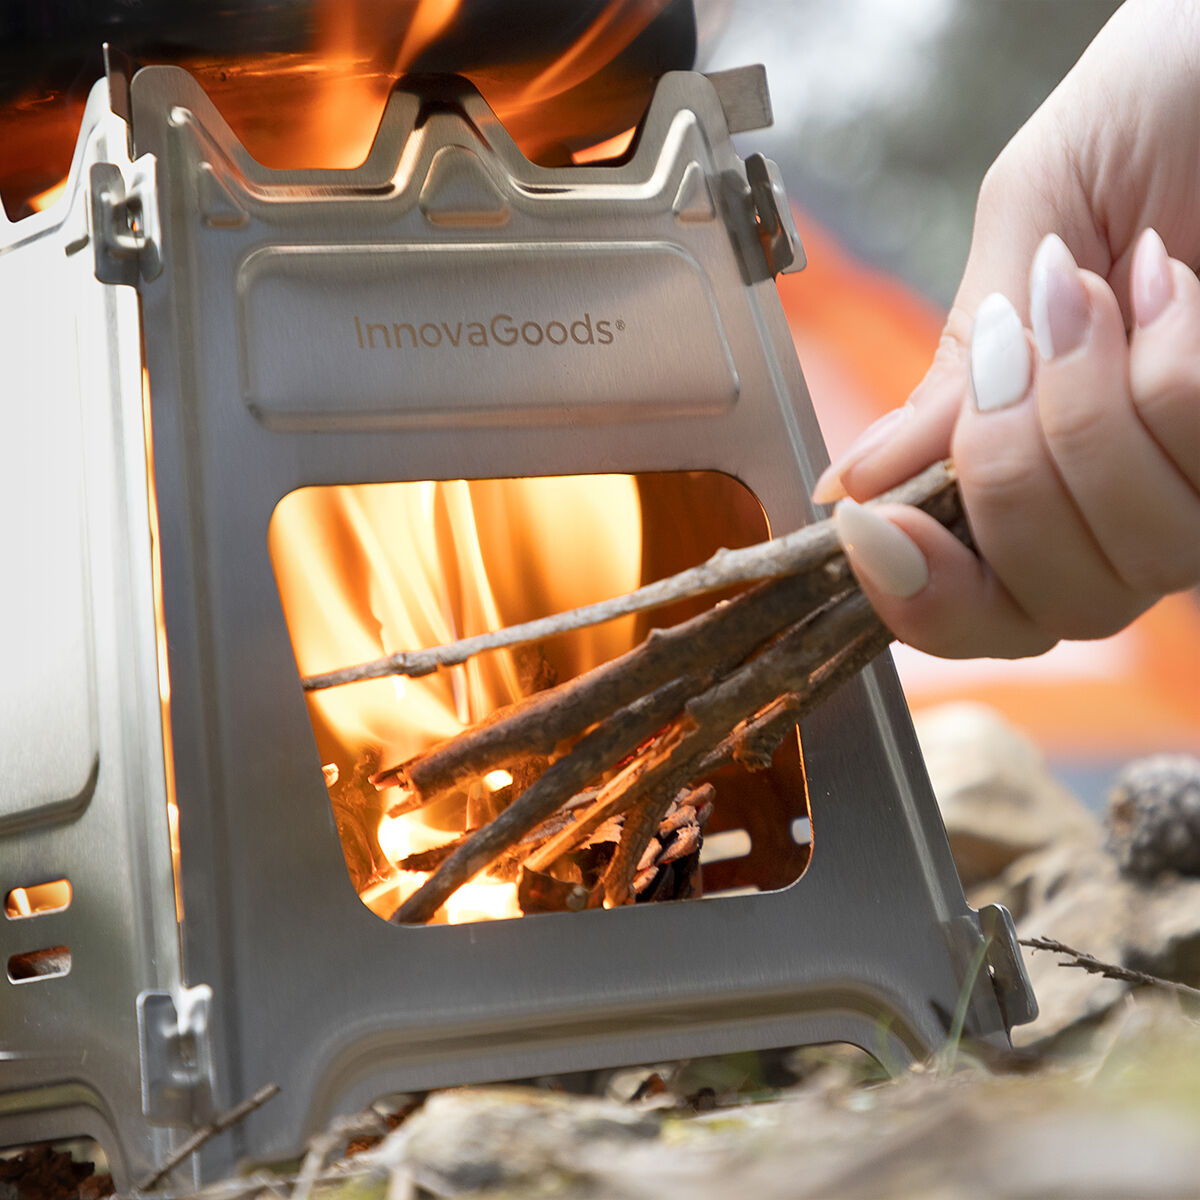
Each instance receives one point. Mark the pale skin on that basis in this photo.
(1067, 395)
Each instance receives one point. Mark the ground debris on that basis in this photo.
(1113, 1123)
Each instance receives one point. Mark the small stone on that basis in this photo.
(997, 797)
(1154, 817)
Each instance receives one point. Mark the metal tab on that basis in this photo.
(176, 1054)
(744, 96)
(777, 227)
(125, 222)
(1013, 989)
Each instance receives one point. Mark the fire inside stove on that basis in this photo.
(367, 570)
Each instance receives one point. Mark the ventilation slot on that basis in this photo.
(37, 898)
(39, 964)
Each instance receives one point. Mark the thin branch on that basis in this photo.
(609, 742)
(740, 700)
(715, 641)
(218, 1124)
(800, 551)
(1096, 966)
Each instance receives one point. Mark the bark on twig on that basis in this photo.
(801, 551)
(609, 742)
(713, 641)
(641, 824)
(736, 703)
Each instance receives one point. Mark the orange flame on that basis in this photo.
(367, 570)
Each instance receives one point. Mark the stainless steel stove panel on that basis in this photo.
(82, 795)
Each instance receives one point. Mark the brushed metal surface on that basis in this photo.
(381, 336)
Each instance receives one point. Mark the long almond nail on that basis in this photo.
(1059, 309)
(829, 487)
(1000, 366)
(1151, 288)
(882, 553)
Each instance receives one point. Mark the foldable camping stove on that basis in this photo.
(286, 330)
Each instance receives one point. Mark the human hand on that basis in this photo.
(1079, 462)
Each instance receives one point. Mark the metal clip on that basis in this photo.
(125, 223)
(176, 1053)
(776, 226)
(1014, 992)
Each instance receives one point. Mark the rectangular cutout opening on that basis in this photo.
(35, 899)
(50, 963)
(367, 570)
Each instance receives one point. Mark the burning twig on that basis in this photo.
(797, 553)
(612, 740)
(218, 1124)
(729, 684)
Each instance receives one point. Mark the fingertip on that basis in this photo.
(879, 552)
(960, 610)
(829, 488)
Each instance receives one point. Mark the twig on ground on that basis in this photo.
(1095, 966)
(217, 1125)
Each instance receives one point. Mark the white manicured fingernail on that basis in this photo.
(1000, 366)
(1058, 302)
(882, 553)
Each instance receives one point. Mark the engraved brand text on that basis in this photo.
(500, 330)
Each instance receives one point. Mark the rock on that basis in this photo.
(1076, 894)
(998, 800)
(1095, 1129)
(1154, 816)
(468, 1140)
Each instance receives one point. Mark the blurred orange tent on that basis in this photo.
(864, 341)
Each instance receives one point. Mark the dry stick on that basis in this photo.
(716, 639)
(786, 667)
(607, 804)
(1096, 966)
(217, 1125)
(614, 739)
(625, 789)
(754, 742)
(797, 552)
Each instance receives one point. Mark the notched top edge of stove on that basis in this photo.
(174, 92)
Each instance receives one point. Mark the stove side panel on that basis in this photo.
(81, 755)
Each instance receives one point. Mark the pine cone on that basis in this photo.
(669, 866)
(1154, 816)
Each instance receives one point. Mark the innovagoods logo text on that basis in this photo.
(500, 330)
